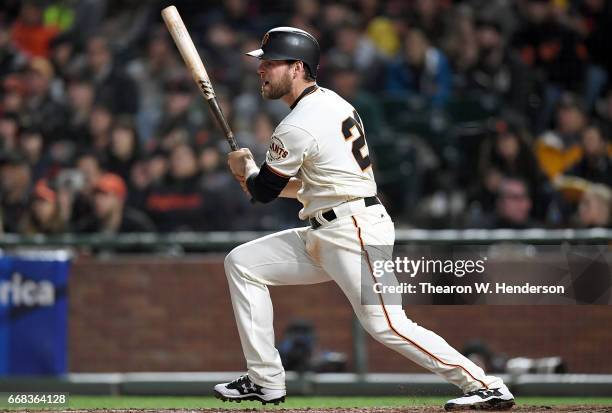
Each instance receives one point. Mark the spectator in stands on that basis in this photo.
(237, 14)
(29, 34)
(346, 81)
(420, 70)
(552, 49)
(508, 155)
(331, 16)
(595, 208)
(354, 49)
(15, 181)
(100, 126)
(593, 19)
(497, 69)
(596, 162)
(43, 215)
(31, 145)
(62, 56)
(79, 203)
(223, 63)
(247, 102)
(81, 94)
(8, 52)
(111, 216)
(259, 135)
(179, 122)
(43, 108)
(151, 72)
(306, 11)
(212, 165)
(461, 45)
(177, 203)
(224, 198)
(385, 33)
(90, 165)
(428, 16)
(547, 45)
(604, 113)
(77, 98)
(114, 88)
(558, 148)
(368, 9)
(9, 131)
(157, 166)
(513, 205)
(14, 93)
(123, 150)
(138, 184)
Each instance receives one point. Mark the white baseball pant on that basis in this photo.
(332, 252)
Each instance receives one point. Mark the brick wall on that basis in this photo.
(155, 314)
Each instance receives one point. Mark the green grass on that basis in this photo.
(153, 402)
(90, 402)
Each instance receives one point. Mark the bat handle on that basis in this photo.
(229, 135)
(227, 131)
(232, 143)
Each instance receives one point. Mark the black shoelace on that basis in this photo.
(484, 393)
(244, 379)
(244, 385)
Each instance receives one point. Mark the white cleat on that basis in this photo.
(244, 389)
(483, 399)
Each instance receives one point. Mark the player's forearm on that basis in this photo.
(264, 185)
(292, 188)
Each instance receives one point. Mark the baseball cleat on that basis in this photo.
(244, 389)
(483, 399)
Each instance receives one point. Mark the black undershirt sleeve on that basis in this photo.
(266, 185)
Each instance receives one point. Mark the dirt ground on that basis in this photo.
(429, 409)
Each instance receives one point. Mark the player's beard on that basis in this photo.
(278, 89)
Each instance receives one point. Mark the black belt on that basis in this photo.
(331, 215)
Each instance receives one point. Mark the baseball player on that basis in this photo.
(318, 154)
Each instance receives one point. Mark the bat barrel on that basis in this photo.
(190, 55)
(187, 49)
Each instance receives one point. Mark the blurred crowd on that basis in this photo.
(487, 114)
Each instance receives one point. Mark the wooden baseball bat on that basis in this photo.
(194, 63)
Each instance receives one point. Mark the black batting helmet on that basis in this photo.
(289, 43)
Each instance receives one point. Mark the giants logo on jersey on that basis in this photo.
(276, 150)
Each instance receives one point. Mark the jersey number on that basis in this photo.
(350, 127)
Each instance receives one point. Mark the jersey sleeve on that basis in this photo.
(288, 148)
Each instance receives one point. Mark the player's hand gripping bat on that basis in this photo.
(183, 42)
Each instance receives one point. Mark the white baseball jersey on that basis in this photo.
(322, 142)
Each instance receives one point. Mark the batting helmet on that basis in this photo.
(289, 43)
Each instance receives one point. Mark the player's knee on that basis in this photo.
(237, 256)
(230, 261)
(383, 324)
(373, 320)
(382, 331)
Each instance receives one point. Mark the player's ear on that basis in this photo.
(298, 67)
